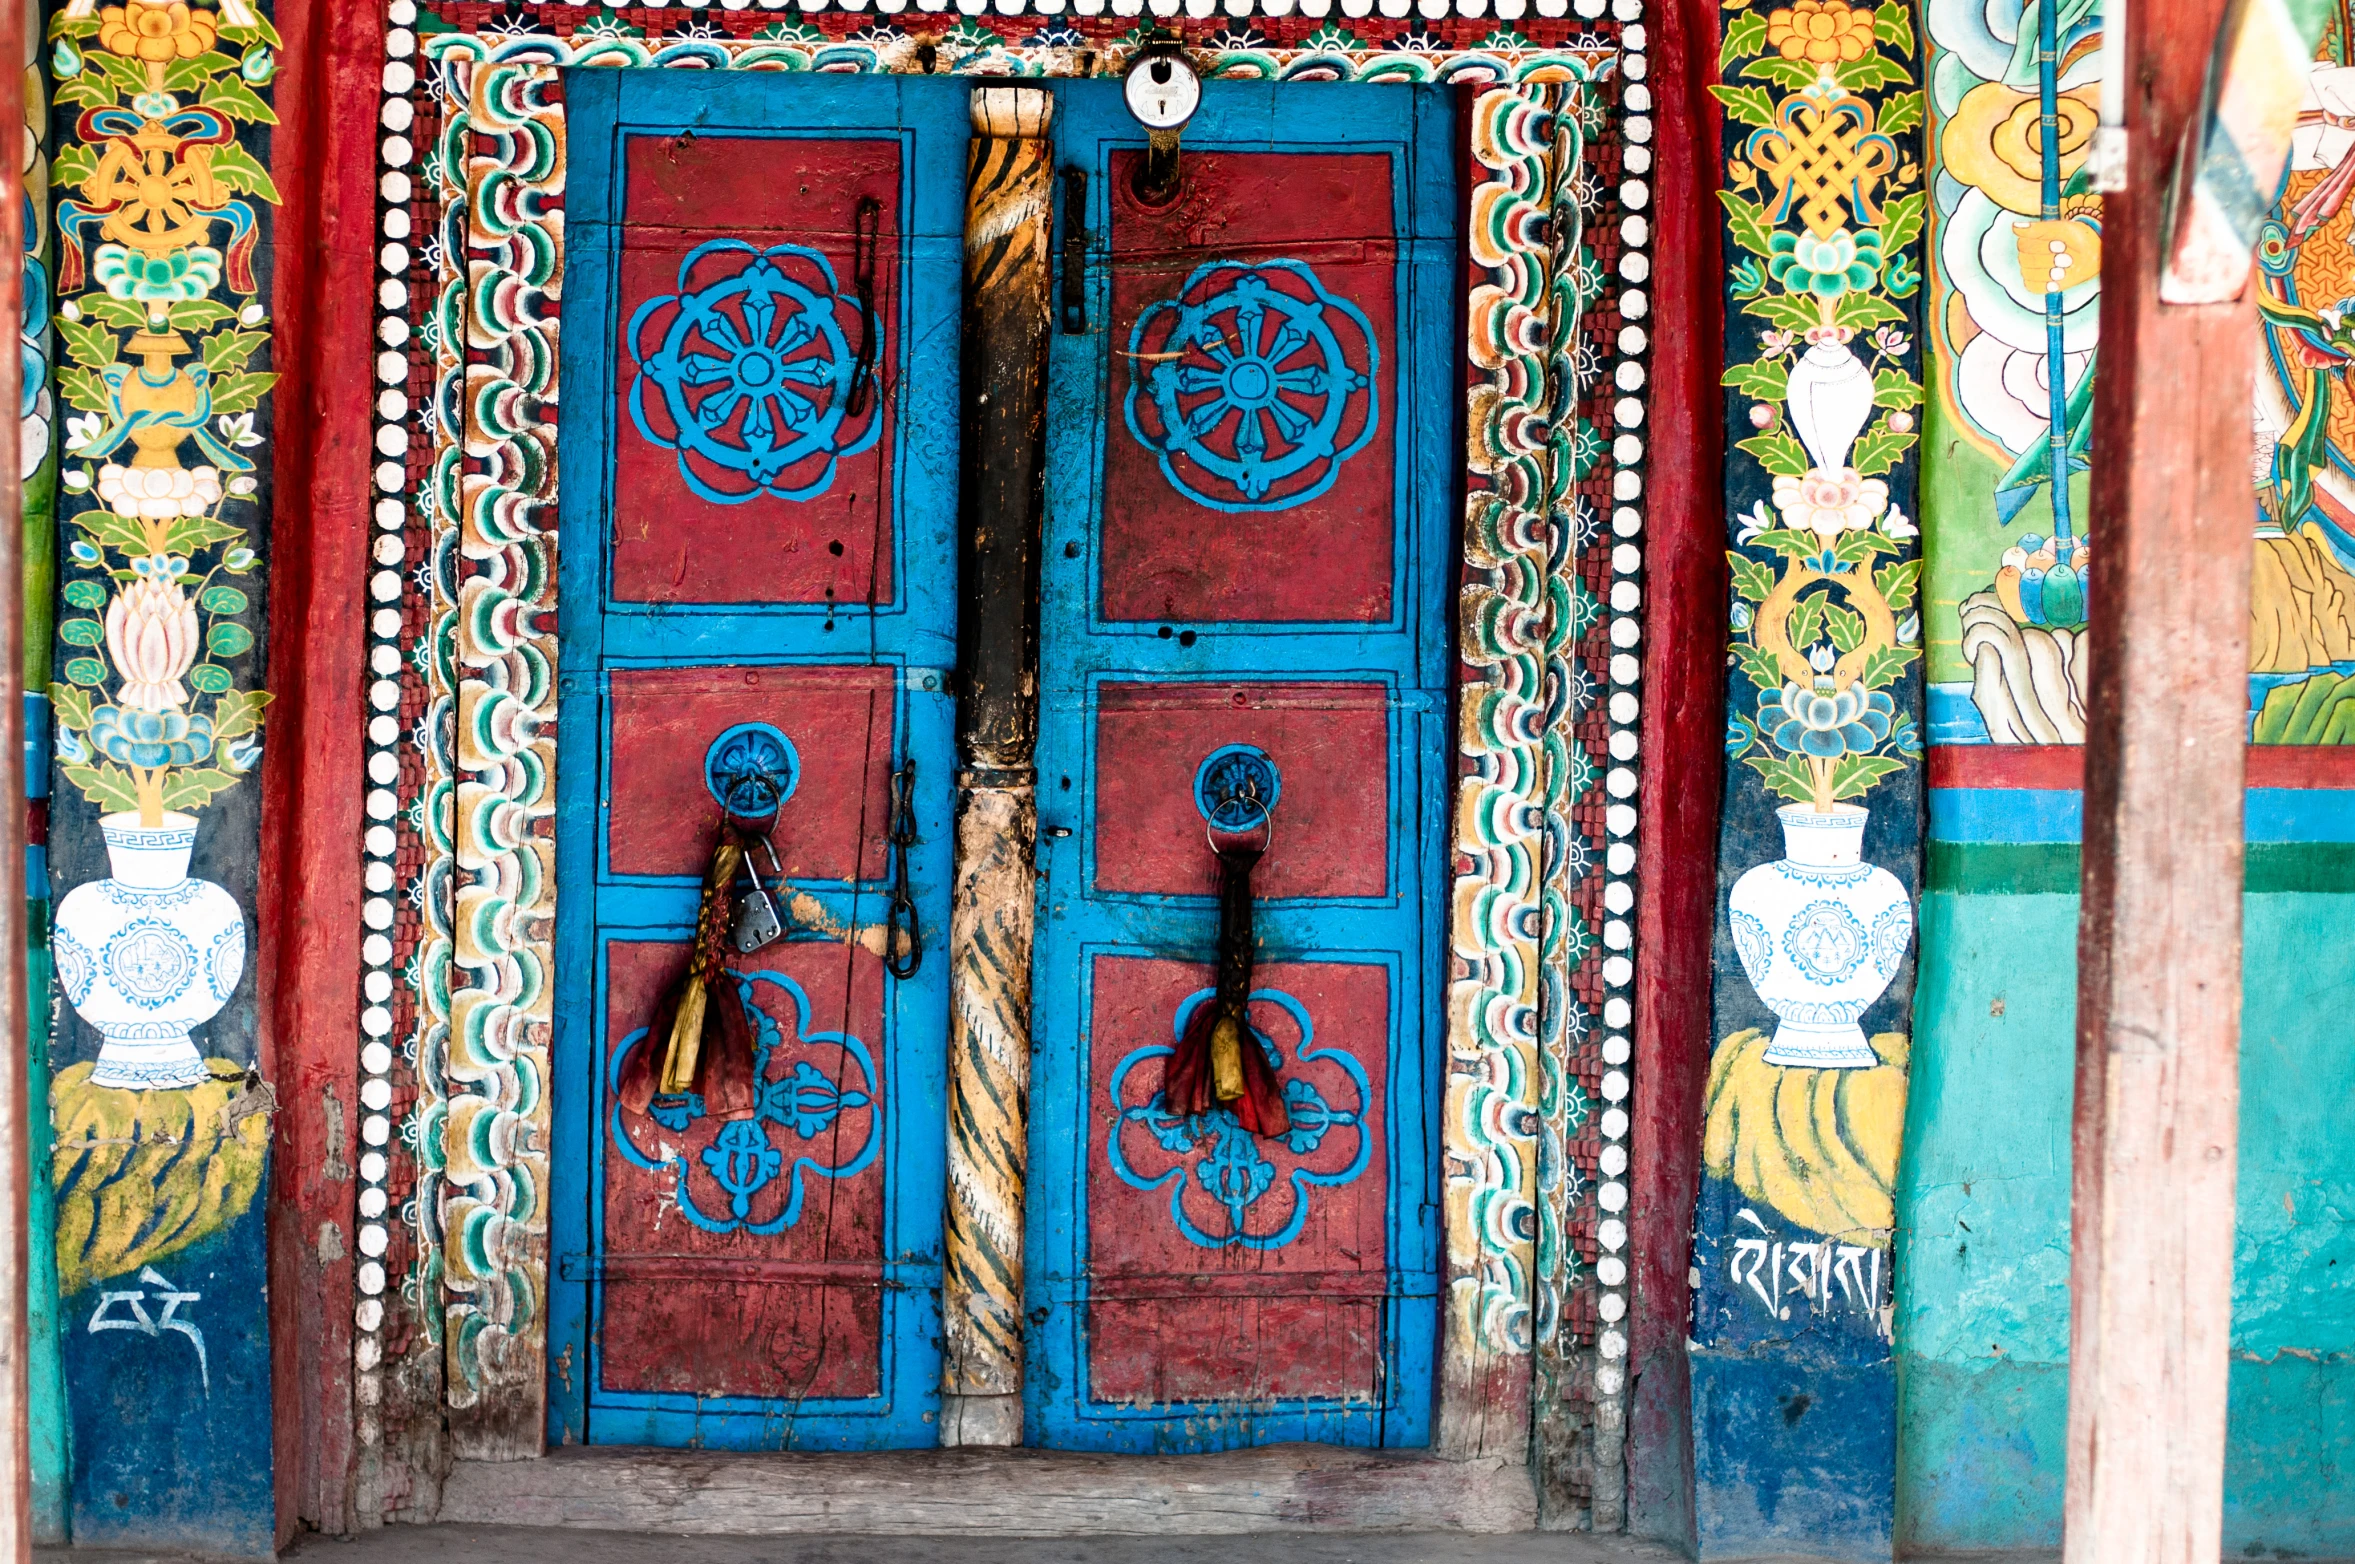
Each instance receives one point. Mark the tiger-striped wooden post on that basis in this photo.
(1009, 212)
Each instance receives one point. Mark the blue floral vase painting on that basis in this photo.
(1820, 933)
(148, 955)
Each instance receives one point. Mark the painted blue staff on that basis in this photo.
(2056, 365)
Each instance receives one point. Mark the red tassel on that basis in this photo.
(640, 1069)
(1192, 1083)
(1189, 1084)
(723, 1071)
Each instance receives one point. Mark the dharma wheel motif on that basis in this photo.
(1253, 385)
(749, 370)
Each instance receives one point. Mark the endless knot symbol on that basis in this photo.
(751, 366)
(1819, 155)
(1255, 395)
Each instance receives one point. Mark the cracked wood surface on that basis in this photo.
(1015, 1493)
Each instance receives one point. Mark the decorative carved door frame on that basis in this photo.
(1541, 981)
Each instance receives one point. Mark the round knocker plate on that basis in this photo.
(751, 769)
(1236, 788)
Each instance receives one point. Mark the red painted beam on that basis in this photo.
(2062, 766)
(307, 957)
(1683, 765)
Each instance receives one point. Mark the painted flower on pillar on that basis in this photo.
(1828, 502)
(159, 493)
(156, 30)
(1826, 209)
(159, 318)
(152, 632)
(1821, 32)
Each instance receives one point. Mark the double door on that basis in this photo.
(1245, 580)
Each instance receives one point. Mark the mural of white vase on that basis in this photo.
(1820, 933)
(1830, 396)
(148, 955)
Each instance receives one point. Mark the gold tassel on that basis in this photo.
(686, 1042)
(686, 1039)
(1226, 1059)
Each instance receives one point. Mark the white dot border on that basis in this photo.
(381, 754)
(1622, 782)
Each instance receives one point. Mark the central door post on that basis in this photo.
(1008, 214)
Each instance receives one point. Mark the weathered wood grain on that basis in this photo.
(1009, 213)
(2159, 942)
(307, 910)
(995, 1493)
(1685, 602)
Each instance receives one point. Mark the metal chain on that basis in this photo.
(904, 950)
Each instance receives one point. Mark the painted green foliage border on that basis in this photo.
(191, 293)
(1825, 563)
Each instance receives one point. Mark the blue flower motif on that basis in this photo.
(1213, 1154)
(1825, 723)
(742, 1158)
(1828, 267)
(148, 739)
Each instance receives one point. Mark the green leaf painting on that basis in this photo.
(1824, 220)
(159, 337)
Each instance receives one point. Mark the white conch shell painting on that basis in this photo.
(1830, 397)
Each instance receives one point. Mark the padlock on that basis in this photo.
(756, 922)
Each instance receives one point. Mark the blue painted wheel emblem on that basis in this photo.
(747, 372)
(1260, 385)
(751, 769)
(1219, 1174)
(1236, 787)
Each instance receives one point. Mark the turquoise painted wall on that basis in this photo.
(46, 1368)
(1983, 1229)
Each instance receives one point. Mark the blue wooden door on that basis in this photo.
(759, 457)
(1246, 577)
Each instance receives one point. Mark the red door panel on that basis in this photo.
(839, 721)
(792, 1313)
(737, 538)
(1326, 559)
(1330, 742)
(1286, 1301)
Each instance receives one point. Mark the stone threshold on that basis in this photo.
(1001, 1493)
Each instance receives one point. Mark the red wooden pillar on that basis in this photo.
(308, 914)
(1684, 720)
(2159, 945)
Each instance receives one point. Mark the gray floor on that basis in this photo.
(507, 1545)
